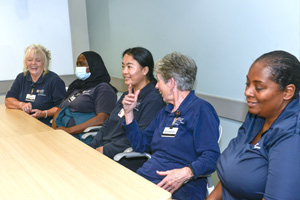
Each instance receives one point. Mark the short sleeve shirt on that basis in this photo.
(271, 167)
(99, 99)
(49, 90)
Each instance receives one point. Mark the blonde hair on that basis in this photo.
(38, 51)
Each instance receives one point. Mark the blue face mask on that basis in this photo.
(81, 73)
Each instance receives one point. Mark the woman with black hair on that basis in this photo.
(137, 70)
(89, 99)
(263, 161)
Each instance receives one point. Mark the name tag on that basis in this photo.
(30, 97)
(72, 98)
(169, 132)
(121, 113)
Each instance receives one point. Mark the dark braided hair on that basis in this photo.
(284, 68)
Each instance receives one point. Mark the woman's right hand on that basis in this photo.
(129, 103)
(26, 107)
(130, 100)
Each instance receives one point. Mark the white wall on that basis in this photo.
(223, 37)
(26, 22)
(64, 58)
(79, 28)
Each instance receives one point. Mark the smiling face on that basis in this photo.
(133, 73)
(165, 89)
(35, 64)
(263, 95)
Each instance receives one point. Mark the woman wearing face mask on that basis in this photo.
(89, 99)
(37, 91)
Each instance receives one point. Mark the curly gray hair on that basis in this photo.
(180, 67)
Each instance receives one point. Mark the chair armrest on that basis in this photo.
(129, 153)
(93, 134)
(92, 128)
(210, 187)
(90, 131)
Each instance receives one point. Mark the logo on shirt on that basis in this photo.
(256, 146)
(86, 92)
(137, 106)
(179, 121)
(41, 92)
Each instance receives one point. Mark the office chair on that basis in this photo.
(90, 132)
(129, 153)
(93, 130)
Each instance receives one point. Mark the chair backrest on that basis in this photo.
(210, 187)
(220, 133)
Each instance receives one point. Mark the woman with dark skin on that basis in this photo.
(263, 161)
(90, 93)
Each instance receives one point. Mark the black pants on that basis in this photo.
(133, 163)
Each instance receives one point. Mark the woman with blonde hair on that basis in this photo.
(37, 91)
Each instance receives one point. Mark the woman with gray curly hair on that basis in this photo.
(183, 137)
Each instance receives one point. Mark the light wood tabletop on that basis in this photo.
(17, 122)
(52, 164)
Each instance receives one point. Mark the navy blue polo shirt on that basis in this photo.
(269, 169)
(49, 90)
(98, 99)
(194, 143)
(112, 135)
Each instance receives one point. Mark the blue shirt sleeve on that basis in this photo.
(16, 88)
(139, 141)
(58, 91)
(206, 135)
(147, 111)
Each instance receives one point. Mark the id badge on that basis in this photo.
(72, 98)
(169, 132)
(121, 113)
(30, 97)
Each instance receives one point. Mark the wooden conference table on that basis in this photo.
(37, 162)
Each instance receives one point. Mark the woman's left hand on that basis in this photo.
(174, 178)
(64, 128)
(37, 113)
(100, 149)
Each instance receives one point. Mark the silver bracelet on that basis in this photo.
(46, 113)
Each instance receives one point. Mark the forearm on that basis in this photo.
(140, 141)
(114, 147)
(50, 112)
(206, 163)
(129, 117)
(13, 103)
(95, 121)
(216, 193)
(54, 117)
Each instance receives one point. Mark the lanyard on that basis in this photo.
(177, 114)
(32, 87)
(73, 97)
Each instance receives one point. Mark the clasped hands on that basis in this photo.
(27, 107)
